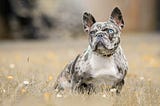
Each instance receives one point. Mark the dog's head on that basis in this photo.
(104, 37)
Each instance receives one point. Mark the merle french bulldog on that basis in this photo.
(102, 63)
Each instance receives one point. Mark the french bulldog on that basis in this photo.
(103, 63)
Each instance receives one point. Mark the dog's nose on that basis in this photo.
(100, 35)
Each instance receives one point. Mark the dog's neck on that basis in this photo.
(92, 53)
(99, 59)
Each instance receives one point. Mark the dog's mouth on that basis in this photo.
(100, 45)
(101, 48)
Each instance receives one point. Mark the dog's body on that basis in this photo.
(103, 63)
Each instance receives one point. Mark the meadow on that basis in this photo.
(28, 70)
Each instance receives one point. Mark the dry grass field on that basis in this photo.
(28, 70)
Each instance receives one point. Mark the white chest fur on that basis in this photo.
(103, 66)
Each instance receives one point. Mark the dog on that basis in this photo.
(103, 63)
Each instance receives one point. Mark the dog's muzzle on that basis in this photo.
(100, 42)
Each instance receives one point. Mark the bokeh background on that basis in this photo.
(39, 37)
(40, 19)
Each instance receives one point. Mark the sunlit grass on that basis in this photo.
(137, 91)
(27, 77)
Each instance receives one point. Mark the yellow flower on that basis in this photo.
(23, 90)
(10, 77)
(47, 96)
(50, 78)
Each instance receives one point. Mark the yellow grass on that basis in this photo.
(27, 76)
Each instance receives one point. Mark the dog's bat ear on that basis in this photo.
(117, 17)
(88, 21)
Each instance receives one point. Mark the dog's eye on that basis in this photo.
(92, 32)
(110, 31)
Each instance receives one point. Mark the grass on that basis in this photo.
(35, 86)
(28, 72)
(15, 91)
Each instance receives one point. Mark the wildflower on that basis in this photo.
(104, 95)
(4, 90)
(113, 90)
(10, 77)
(23, 90)
(59, 95)
(50, 78)
(25, 82)
(47, 96)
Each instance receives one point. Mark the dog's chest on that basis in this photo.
(103, 66)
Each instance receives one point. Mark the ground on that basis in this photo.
(28, 70)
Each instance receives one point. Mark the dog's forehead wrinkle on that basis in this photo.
(98, 25)
(104, 25)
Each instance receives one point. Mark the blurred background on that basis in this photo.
(39, 37)
(34, 19)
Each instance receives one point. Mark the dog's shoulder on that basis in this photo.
(64, 78)
(121, 61)
(82, 63)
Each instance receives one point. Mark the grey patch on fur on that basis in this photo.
(86, 57)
